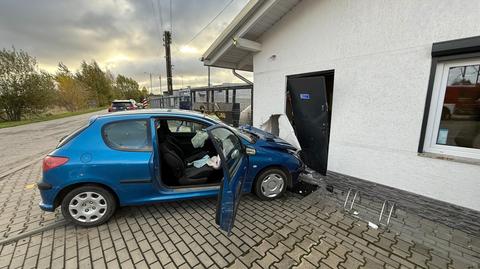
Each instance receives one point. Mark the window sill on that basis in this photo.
(450, 158)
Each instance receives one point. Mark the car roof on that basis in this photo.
(155, 111)
(122, 101)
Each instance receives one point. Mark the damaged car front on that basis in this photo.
(270, 149)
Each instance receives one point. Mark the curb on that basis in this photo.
(32, 232)
(20, 167)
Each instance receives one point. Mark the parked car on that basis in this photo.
(121, 105)
(153, 155)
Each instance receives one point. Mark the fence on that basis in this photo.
(232, 103)
(179, 102)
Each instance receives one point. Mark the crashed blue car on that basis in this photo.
(148, 156)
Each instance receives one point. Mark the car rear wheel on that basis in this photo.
(88, 206)
(271, 184)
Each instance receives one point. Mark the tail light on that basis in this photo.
(51, 162)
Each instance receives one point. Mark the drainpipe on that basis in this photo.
(234, 72)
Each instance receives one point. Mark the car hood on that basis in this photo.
(267, 139)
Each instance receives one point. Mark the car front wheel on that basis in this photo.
(271, 184)
(88, 206)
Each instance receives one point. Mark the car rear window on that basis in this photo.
(128, 135)
(69, 137)
(121, 104)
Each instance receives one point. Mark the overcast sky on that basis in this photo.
(122, 36)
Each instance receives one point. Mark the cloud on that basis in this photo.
(122, 36)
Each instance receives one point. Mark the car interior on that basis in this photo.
(181, 162)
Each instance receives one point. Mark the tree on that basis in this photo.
(72, 94)
(128, 88)
(23, 89)
(96, 82)
(144, 92)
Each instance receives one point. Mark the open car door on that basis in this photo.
(234, 162)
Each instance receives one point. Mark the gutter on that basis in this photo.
(234, 72)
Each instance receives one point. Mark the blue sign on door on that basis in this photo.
(305, 96)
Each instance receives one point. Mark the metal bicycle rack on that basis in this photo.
(349, 206)
(388, 214)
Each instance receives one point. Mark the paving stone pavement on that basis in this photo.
(291, 232)
(19, 198)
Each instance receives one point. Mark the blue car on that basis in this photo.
(148, 156)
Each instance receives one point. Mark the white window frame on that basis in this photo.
(435, 113)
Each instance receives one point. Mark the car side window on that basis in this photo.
(184, 126)
(230, 147)
(128, 135)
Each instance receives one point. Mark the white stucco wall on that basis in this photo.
(380, 51)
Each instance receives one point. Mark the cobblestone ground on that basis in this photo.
(294, 231)
(19, 199)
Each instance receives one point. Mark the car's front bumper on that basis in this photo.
(295, 174)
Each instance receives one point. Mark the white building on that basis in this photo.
(396, 67)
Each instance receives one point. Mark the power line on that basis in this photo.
(157, 28)
(159, 8)
(171, 19)
(155, 19)
(208, 24)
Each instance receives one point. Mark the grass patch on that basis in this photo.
(6, 124)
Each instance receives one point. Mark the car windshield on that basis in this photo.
(121, 104)
(251, 138)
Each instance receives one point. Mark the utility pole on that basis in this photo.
(209, 85)
(151, 84)
(167, 40)
(160, 79)
(208, 82)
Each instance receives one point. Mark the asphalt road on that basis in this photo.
(25, 143)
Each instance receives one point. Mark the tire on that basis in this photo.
(273, 175)
(97, 208)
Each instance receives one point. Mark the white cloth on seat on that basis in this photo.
(214, 162)
(201, 162)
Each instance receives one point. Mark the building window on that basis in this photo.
(453, 126)
(128, 135)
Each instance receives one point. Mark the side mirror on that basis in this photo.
(250, 151)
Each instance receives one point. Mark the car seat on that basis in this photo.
(180, 170)
(165, 135)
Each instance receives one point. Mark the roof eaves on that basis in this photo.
(237, 22)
